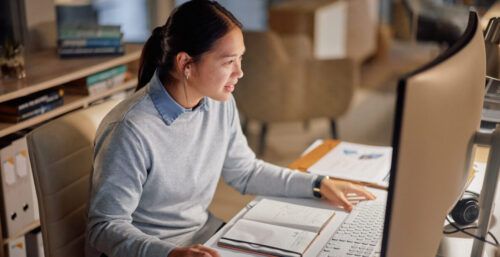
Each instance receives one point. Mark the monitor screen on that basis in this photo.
(438, 111)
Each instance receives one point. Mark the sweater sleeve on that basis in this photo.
(249, 175)
(120, 170)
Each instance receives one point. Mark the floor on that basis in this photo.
(368, 121)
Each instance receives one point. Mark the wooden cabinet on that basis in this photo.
(46, 70)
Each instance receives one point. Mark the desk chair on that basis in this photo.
(283, 82)
(61, 158)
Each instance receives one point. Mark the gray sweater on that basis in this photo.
(156, 168)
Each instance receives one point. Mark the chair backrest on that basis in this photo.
(283, 82)
(273, 78)
(61, 158)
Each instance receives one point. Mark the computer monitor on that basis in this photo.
(438, 111)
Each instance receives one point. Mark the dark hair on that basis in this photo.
(192, 27)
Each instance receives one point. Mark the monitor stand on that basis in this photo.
(487, 198)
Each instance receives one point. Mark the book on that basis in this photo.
(39, 110)
(84, 31)
(98, 82)
(26, 104)
(106, 74)
(364, 164)
(90, 42)
(276, 228)
(89, 51)
(97, 88)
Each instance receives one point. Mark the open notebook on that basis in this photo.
(276, 228)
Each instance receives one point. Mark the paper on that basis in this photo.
(289, 215)
(274, 237)
(356, 162)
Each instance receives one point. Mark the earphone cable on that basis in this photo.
(463, 230)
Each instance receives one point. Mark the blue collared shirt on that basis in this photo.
(168, 108)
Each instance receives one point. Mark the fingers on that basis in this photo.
(194, 251)
(359, 190)
(337, 193)
(344, 202)
(209, 252)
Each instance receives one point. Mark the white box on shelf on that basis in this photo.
(17, 193)
(17, 247)
(23, 167)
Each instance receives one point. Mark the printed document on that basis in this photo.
(356, 162)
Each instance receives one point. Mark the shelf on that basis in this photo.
(25, 230)
(45, 70)
(71, 102)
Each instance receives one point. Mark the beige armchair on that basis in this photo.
(283, 82)
(61, 158)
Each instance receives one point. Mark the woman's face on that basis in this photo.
(216, 73)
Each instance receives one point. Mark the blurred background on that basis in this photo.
(314, 69)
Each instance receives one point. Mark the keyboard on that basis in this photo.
(359, 234)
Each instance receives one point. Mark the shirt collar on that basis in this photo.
(168, 108)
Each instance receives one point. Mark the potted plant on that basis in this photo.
(12, 60)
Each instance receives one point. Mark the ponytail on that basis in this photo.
(151, 56)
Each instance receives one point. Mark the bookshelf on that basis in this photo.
(46, 70)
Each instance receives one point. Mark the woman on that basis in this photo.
(159, 154)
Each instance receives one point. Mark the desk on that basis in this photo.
(453, 246)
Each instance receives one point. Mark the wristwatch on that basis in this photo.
(317, 185)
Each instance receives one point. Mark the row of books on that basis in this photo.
(32, 105)
(90, 40)
(99, 82)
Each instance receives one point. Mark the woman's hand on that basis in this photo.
(194, 251)
(335, 191)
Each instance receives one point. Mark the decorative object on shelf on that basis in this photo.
(12, 60)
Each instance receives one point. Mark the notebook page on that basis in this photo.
(253, 235)
(289, 215)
